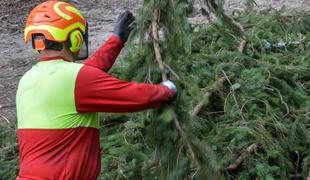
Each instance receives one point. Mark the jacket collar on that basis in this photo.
(52, 58)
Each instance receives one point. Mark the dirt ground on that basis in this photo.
(290, 4)
(16, 57)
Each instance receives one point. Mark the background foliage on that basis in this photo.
(258, 96)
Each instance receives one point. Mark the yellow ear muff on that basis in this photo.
(75, 41)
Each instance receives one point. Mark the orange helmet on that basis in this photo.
(57, 22)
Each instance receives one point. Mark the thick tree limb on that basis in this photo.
(156, 44)
(243, 155)
(161, 66)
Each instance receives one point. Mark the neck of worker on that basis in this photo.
(50, 54)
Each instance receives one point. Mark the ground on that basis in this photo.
(16, 57)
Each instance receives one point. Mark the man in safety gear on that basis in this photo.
(58, 100)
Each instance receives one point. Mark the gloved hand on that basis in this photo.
(124, 25)
(170, 85)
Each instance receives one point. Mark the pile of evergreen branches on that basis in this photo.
(244, 97)
(8, 152)
(243, 107)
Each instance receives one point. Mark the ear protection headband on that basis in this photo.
(75, 42)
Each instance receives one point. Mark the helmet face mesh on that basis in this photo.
(83, 53)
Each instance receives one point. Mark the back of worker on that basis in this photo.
(58, 100)
(52, 135)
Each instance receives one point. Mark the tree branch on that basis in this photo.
(156, 44)
(206, 96)
(5, 118)
(172, 71)
(242, 46)
(164, 78)
(243, 155)
(213, 8)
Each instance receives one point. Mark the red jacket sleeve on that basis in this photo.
(106, 55)
(96, 91)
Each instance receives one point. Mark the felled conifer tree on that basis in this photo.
(242, 93)
(251, 107)
(164, 43)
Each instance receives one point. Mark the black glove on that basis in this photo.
(124, 25)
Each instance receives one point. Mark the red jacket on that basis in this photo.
(72, 151)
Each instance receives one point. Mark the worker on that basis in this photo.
(58, 100)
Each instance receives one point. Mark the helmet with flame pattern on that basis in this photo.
(56, 22)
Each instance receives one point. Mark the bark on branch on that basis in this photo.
(242, 156)
(161, 66)
(156, 44)
(206, 96)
